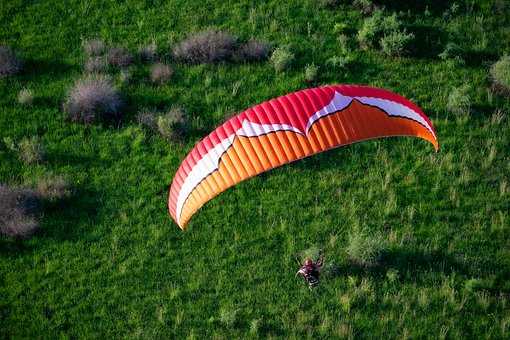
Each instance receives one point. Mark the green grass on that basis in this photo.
(109, 261)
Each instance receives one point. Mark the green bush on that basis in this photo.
(311, 73)
(396, 43)
(29, 150)
(375, 27)
(500, 75)
(451, 51)
(282, 59)
(25, 97)
(365, 249)
(382, 31)
(173, 125)
(459, 101)
(340, 62)
(228, 316)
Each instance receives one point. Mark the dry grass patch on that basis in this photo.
(253, 50)
(93, 99)
(211, 46)
(161, 73)
(19, 209)
(94, 47)
(119, 57)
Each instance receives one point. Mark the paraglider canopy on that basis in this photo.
(286, 129)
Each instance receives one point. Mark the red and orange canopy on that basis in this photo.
(286, 129)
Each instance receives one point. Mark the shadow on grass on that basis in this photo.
(428, 41)
(34, 68)
(434, 6)
(63, 220)
(412, 264)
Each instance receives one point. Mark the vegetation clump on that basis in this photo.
(30, 150)
(366, 7)
(148, 53)
(384, 32)
(211, 46)
(54, 188)
(395, 43)
(161, 73)
(365, 249)
(282, 59)
(95, 65)
(10, 64)
(93, 99)
(311, 73)
(18, 212)
(26, 97)
(148, 119)
(459, 101)
(119, 57)
(500, 76)
(253, 50)
(173, 125)
(340, 62)
(452, 51)
(94, 47)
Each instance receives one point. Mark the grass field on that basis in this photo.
(110, 263)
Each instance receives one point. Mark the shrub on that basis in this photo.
(211, 46)
(94, 47)
(329, 3)
(282, 59)
(255, 326)
(25, 97)
(173, 125)
(376, 27)
(119, 57)
(30, 150)
(396, 43)
(345, 43)
(253, 50)
(340, 62)
(125, 76)
(148, 53)
(228, 316)
(10, 64)
(95, 65)
(18, 212)
(311, 73)
(54, 188)
(451, 51)
(93, 99)
(161, 73)
(147, 119)
(365, 249)
(366, 7)
(500, 75)
(459, 101)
